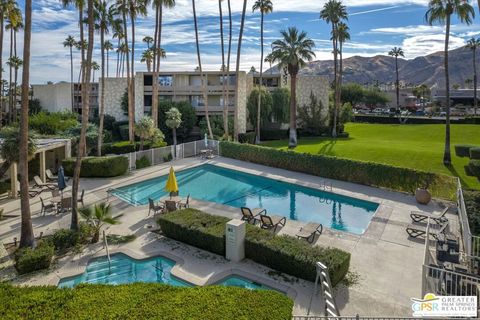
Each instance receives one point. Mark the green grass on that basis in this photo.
(411, 146)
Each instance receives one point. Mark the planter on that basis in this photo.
(423, 196)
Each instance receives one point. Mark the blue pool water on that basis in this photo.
(241, 282)
(238, 189)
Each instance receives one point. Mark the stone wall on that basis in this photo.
(139, 96)
(114, 90)
(242, 102)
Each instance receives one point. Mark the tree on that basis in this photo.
(473, 45)
(223, 69)
(10, 151)
(397, 52)
(353, 93)
(252, 106)
(97, 216)
(226, 124)
(108, 46)
(95, 67)
(334, 12)
(5, 6)
(14, 16)
(313, 116)
(70, 43)
(292, 52)
(147, 57)
(343, 35)
(148, 40)
(265, 7)
(16, 63)
(441, 11)
(189, 119)
(237, 71)
(280, 105)
(173, 121)
(145, 130)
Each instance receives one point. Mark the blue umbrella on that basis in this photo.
(62, 184)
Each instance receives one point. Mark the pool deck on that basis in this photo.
(384, 261)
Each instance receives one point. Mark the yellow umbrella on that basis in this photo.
(171, 185)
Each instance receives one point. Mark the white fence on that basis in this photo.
(471, 243)
(166, 154)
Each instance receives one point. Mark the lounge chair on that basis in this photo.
(272, 222)
(39, 183)
(184, 204)
(32, 191)
(46, 207)
(252, 216)
(416, 231)
(418, 216)
(153, 207)
(309, 231)
(50, 176)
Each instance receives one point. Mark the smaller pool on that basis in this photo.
(241, 282)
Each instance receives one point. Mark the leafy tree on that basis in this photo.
(9, 150)
(313, 116)
(145, 130)
(52, 123)
(189, 119)
(34, 106)
(91, 136)
(252, 106)
(374, 97)
(124, 102)
(346, 114)
(281, 105)
(97, 216)
(353, 93)
(217, 126)
(173, 121)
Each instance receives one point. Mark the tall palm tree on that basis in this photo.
(473, 45)
(265, 7)
(229, 55)
(95, 67)
(158, 5)
(15, 63)
(14, 17)
(441, 11)
(4, 8)
(292, 52)
(397, 52)
(334, 12)
(108, 46)
(27, 239)
(343, 35)
(148, 40)
(202, 76)
(237, 71)
(223, 69)
(147, 57)
(70, 43)
(81, 44)
(119, 35)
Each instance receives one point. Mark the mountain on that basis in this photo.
(428, 69)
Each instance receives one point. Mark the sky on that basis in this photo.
(375, 26)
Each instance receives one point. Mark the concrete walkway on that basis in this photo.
(385, 262)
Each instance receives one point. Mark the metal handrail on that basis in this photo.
(105, 243)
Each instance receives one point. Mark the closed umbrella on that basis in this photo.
(62, 184)
(171, 185)
(206, 141)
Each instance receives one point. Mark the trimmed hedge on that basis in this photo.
(463, 150)
(142, 301)
(248, 137)
(98, 167)
(124, 147)
(283, 253)
(474, 168)
(29, 260)
(366, 173)
(472, 203)
(475, 153)
(273, 134)
(143, 162)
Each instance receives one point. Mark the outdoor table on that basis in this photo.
(175, 199)
(206, 153)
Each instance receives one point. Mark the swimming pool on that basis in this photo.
(241, 282)
(238, 189)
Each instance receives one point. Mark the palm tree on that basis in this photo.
(95, 67)
(14, 16)
(268, 59)
(108, 46)
(148, 40)
(4, 8)
(265, 7)
(119, 35)
(27, 239)
(145, 130)
(157, 43)
(16, 63)
(292, 52)
(333, 12)
(473, 44)
(441, 11)
(223, 69)
(81, 44)
(202, 76)
(173, 121)
(97, 216)
(237, 71)
(10, 151)
(70, 43)
(147, 57)
(343, 35)
(229, 55)
(397, 52)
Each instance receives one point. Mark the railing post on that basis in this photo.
(194, 148)
(153, 157)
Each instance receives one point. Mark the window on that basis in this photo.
(225, 79)
(147, 80)
(165, 81)
(147, 101)
(197, 101)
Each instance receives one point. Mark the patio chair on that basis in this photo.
(418, 216)
(65, 205)
(55, 193)
(416, 231)
(184, 204)
(272, 222)
(80, 200)
(50, 176)
(32, 191)
(39, 183)
(252, 216)
(170, 206)
(46, 207)
(154, 207)
(309, 231)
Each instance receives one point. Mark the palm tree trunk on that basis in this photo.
(229, 55)
(340, 74)
(85, 111)
(10, 100)
(2, 22)
(131, 122)
(224, 88)
(156, 60)
(71, 75)
(259, 106)
(237, 72)
(27, 238)
(475, 80)
(108, 63)
(202, 76)
(335, 68)
(292, 143)
(447, 159)
(14, 114)
(132, 78)
(397, 83)
(102, 97)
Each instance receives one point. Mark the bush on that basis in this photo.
(142, 301)
(475, 153)
(248, 137)
(4, 187)
(463, 150)
(366, 173)
(283, 253)
(98, 167)
(124, 147)
(474, 168)
(29, 260)
(65, 239)
(472, 203)
(343, 135)
(52, 123)
(273, 134)
(143, 162)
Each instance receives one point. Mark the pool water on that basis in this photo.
(241, 282)
(238, 189)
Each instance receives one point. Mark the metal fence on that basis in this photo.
(357, 317)
(471, 243)
(166, 154)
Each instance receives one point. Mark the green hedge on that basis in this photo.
(475, 153)
(142, 301)
(143, 162)
(29, 260)
(124, 147)
(474, 168)
(472, 203)
(463, 150)
(273, 134)
(247, 137)
(98, 167)
(283, 253)
(366, 173)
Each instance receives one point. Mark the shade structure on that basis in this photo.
(62, 184)
(171, 185)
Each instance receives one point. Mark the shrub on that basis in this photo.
(474, 168)
(29, 260)
(475, 153)
(98, 167)
(143, 162)
(142, 301)
(283, 253)
(65, 239)
(125, 147)
(248, 137)
(343, 135)
(52, 123)
(472, 203)
(463, 150)
(366, 173)
(4, 187)
(273, 134)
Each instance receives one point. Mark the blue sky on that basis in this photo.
(375, 29)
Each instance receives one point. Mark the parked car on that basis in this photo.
(377, 111)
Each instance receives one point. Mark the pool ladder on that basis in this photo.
(327, 186)
(323, 278)
(105, 244)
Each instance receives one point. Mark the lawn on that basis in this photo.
(412, 146)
